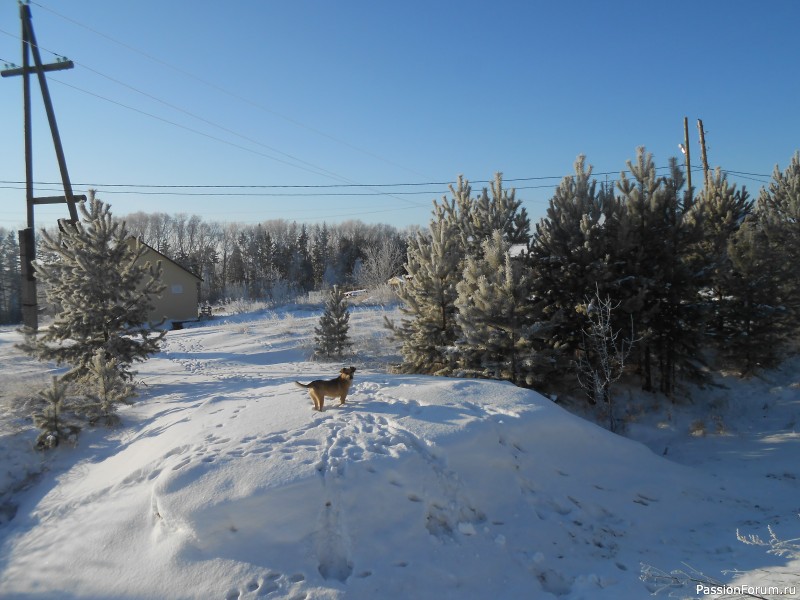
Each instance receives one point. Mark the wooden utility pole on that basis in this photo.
(27, 244)
(685, 149)
(703, 155)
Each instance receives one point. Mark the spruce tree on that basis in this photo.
(102, 292)
(331, 338)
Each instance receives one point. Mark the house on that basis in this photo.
(399, 280)
(180, 299)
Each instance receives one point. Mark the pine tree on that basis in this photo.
(762, 322)
(497, 317)
(331, 338)
(574, 250)
(435, 264)
(502, 212)
(719, 211)
(102, 294)
(778, 211)
(428, 330)
(108, 390)
(656, 283)
(54, 426)
(780, 204)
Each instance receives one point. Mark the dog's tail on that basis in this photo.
(302, 385)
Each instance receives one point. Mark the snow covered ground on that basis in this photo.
(223, 483)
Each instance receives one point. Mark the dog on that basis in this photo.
(336, 388)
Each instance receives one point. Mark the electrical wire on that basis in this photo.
(139, 187)
(99, 187)
(311, 167)
(314, 168)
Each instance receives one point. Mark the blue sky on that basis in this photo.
(321, 93)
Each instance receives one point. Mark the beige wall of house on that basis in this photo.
(180, 299)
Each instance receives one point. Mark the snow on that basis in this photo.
(223, 483)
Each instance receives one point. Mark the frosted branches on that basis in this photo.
(604, 351)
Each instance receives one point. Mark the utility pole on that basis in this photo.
(685, 149)
(27, 244)
(703, 155)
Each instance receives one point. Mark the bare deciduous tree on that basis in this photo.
(382, 262)
(601, 361)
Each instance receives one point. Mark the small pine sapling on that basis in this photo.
(108, 388)
(55, 428)
(331, 338)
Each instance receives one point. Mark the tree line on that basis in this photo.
(701, 280)
(277, 257)
(272, 260)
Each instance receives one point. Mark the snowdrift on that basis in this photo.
(225, 484)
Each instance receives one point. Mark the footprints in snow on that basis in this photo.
(355, 437)
(185, 352)
(268, 584)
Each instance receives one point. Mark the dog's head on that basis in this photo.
(347, 372)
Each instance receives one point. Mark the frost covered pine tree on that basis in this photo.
(109, 389)
(331, 338)
(497, 316)
(428, 329)
(501, 212)
(435, 264)
(54, 427)
(93, 277)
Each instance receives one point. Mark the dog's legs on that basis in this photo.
(317, 400)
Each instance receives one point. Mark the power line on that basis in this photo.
(373, 186)
(317, 170)
(185, 127)
(303, 186)
(313, 168)
(99, 187)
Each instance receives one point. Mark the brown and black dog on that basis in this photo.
(336, 387)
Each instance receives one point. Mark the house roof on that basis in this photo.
(168, 259)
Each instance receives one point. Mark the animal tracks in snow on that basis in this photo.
(270, 583)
